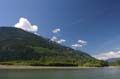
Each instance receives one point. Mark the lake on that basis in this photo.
(82, 73)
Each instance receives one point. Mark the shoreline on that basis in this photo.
(40, 67)
(48, 67)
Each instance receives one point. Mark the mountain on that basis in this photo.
(113, 59)
(24, 48)
(114, 62)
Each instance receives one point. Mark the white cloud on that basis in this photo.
(54, 38)
(26, 25)
(108, 55)
(56, 30)
(76, 46)
(82, 42)
(61, 41)
(79, 44)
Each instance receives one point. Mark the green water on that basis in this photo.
(88, 73)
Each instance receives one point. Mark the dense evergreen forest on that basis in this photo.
(18, 47)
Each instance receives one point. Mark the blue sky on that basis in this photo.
(96, 21)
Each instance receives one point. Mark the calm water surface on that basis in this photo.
(85, 73)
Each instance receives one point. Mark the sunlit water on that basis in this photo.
(83, 73)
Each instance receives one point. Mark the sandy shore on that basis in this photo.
(38, 67)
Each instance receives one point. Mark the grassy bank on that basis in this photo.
(50, 63)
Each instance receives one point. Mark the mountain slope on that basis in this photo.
(18, 46)
(113, 59)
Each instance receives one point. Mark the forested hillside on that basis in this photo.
(20, 47)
